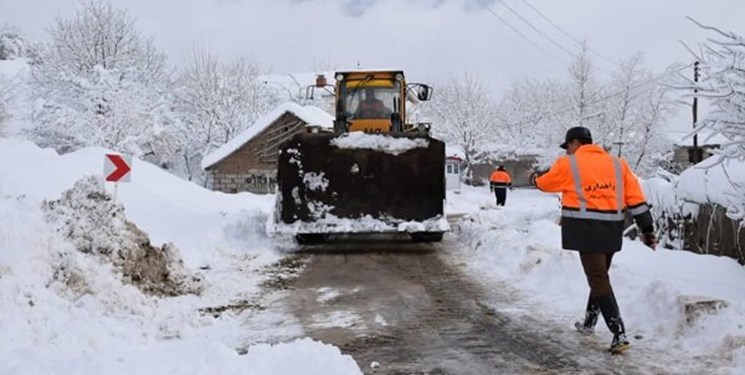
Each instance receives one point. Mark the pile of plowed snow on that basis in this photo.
(88, 217)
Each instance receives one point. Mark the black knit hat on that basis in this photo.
(578, 132)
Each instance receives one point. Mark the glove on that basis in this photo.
(533, 177)
(649, 239)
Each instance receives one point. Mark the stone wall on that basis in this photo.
(258, 181)
(253, 166)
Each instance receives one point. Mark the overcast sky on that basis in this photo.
(430, 39)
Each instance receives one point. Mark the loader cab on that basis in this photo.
(375, 101)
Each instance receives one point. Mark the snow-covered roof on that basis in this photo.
(705, 138)
(309, 114)
(454, 151)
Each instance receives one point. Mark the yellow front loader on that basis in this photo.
(374, 173)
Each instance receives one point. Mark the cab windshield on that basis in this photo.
(371, 102)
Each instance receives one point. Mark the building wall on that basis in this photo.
(519, 170)
(253, 167)
(681, 155)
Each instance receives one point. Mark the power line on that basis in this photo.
(575, 40)
(554, 42)
(621, 92)
(536, 45)
(517, 31)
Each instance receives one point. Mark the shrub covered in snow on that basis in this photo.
(13, 45)
(95, 224)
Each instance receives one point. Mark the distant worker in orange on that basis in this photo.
(499, 181)
(597, 189)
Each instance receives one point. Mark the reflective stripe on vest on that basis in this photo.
(577, 183)
(619, 184)
(640, 209)
(582, 213)
(603, 216)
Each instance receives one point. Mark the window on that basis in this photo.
(449, 169)
(371, 102)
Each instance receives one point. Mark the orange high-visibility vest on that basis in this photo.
(594, 185)
(500, 178)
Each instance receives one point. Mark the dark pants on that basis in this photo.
(596, 266)
(601, 300)
(501, 194)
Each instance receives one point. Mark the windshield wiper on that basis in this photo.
(359, 85)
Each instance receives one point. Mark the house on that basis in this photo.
(248, 162)
(685, 154)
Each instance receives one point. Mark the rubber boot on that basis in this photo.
(612, 316)
(587, 327)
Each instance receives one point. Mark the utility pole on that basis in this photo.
(696, 155)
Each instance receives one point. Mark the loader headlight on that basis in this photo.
(339, 77)
(399, 77)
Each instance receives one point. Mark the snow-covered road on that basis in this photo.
(497, 293)
(414, 309)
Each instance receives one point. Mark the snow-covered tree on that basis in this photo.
(100, 82)
(13, 45)
(6, 90)
(637, 107)
(624, 113)
(217, 101)
(723, 83)
(464, 115)
(528, 113)
(586, 99)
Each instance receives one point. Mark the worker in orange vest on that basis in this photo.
(499, 181)
(597, 189)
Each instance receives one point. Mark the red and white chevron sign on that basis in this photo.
(116, 168)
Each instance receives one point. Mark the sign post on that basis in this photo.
(116, 169)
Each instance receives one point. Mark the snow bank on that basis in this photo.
(69, 299)
(660, 193)
(711, 181)
(87, 216)
(377, 142)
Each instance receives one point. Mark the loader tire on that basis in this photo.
(426, 236)
(311, 238)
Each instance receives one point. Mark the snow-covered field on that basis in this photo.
(67, 311)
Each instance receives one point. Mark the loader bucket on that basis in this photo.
(331, 183)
